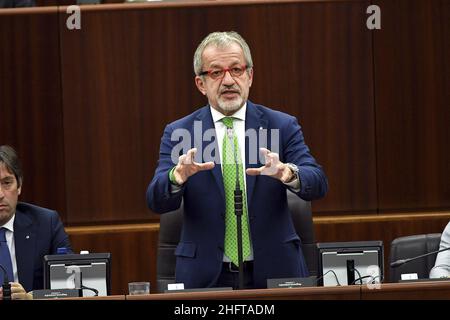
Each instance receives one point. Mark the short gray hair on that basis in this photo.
(221, 40)
(9, 158)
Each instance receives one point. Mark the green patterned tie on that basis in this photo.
(229, 182)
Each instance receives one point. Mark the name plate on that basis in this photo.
(292, 282)
(56, 293)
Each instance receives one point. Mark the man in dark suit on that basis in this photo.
(16, 3)
(201, 162)
(27, 232)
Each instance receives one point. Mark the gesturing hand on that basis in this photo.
(187, 167)
(273, 167)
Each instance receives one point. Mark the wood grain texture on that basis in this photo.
(132, 248)
(372, 104)
(437, 290)
(312, 293)
(30, 103)
(411, 56)
(127, 73)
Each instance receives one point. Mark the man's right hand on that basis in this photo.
(187, 167)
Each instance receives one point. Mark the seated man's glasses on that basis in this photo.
(217, 73)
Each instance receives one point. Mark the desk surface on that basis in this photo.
(408, 290)
(386, 291)
(317, 293)
(427, 290)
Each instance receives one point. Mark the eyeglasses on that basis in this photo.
(220, 73)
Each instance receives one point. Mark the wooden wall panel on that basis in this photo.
(30, 102)
(124, 79)
(412, 97)
(314, 61)
(133, 251)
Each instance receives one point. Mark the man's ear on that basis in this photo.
(200, 83)
(250, 76)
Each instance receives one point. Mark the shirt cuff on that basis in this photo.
(294, 184)
(174, 187)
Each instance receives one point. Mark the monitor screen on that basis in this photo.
(89, 272)
(347, 263)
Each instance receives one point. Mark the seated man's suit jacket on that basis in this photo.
(37, 232)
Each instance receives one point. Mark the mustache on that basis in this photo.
(230, 89)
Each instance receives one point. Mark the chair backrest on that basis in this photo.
(170, 230)
(170, 225)
(303, 223)
(410, 247)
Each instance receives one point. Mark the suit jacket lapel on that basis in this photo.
(254, 121)
(205, 119)
(25, 245)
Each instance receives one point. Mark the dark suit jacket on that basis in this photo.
(276, 246)
(16, 3)
(37, 232)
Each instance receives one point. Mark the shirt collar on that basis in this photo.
(10, 224)
(239, 114)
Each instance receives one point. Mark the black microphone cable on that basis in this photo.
(372, 279)
(335, 276)
(6, 285)
(359, 275)
(83, 287)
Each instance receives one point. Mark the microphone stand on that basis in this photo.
(238, 212)
(6, 285)
(83, 287)
(398, 263)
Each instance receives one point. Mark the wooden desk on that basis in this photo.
(386, 291)
(428, 290)
(408, 291)
(113, 297)
(313, 293)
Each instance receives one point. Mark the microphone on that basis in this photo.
(237, 191)
(400, 262)
(237, 210)
(6, 285)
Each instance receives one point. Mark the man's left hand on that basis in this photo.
(273, 168)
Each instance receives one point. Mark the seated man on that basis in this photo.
(27, 232)
(441, 267)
